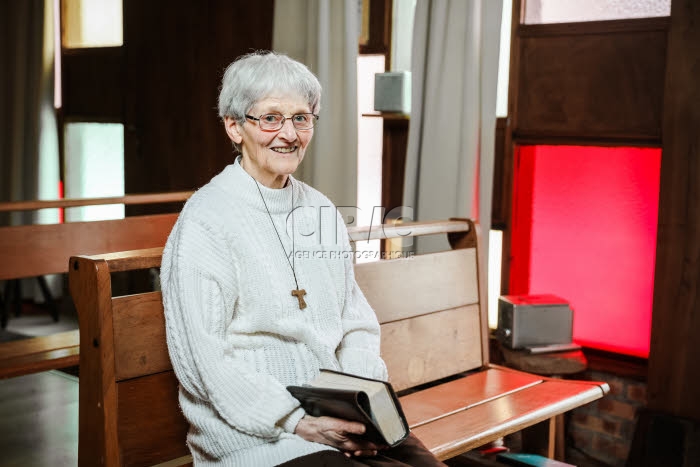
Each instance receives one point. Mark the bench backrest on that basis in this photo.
(37, 250)
(428, 306)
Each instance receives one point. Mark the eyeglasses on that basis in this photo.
(275, 121)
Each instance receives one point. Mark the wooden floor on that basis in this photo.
(39, 420)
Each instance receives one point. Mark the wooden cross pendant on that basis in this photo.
(299, 294)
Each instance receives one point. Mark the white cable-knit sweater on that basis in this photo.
(236, 335)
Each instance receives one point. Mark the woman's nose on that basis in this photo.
(288, 131)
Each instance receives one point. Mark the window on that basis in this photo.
(94, 168)
(93, 152)
(92, 23)
(584, 228)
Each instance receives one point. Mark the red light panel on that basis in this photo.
(584, 228)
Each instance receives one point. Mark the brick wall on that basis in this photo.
(600, 433)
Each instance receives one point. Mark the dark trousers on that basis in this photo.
(410, 453)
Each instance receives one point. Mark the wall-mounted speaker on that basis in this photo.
(392, 92)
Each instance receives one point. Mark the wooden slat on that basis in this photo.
(448, 398)
(37, 354)
(52, 245)
(151, 427)
(127, 200)
(136, 259)
(132, 259)
(409, 229)
(433, 346)
(32, 345)
(484, 423)
(40, 361)
(401, 288)
(139, 336)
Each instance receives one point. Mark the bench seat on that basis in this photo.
(35, 354)
(460, 415)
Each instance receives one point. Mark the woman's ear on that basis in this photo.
(233, 129)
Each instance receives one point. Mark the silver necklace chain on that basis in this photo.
(291, 263)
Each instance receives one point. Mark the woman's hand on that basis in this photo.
(338, 433)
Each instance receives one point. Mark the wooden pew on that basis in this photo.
(434, 342)
(37, 250)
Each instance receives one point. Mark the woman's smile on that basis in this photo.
(285, 150)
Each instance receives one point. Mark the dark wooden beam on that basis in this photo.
(395, 143)
(674, 357)
(501, 172)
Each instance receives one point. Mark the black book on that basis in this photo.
(350, 397)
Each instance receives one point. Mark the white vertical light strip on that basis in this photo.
(369, 155)
(94, 168)
(504, 60)
(57, 96)
(402, 34)
(495, 256)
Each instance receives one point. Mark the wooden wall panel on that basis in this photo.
(591, 81)
(93, 84)
(674, 356)
(175, 55)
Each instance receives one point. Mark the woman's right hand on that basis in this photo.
(338, 433)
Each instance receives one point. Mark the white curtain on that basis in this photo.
(21, 63)
(29, 167)
(449, 163)
(323, 34)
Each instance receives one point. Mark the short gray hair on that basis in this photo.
(257, 75)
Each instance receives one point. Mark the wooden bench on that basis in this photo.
(37, 250)
(434, 342)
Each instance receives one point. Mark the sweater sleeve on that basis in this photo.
(199, 283)
(358, 352)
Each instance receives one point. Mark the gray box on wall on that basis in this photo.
(392, 92)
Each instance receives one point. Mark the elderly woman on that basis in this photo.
(259, 290)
